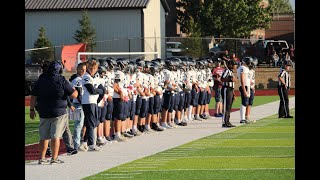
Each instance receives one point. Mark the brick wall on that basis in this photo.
(267, 78)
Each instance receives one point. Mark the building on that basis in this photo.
(121, 25)
(282, 28)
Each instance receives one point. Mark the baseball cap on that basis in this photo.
(288, 63)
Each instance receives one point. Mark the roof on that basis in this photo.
(88, 4)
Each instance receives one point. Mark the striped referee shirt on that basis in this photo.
(285, 76)
(227, 72)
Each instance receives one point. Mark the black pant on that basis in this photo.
(284, 101)
(90, 121)
(227, 96)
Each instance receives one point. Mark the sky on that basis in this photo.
(292, 2)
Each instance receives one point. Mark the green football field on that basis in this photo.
(32, 126)
(263, 150)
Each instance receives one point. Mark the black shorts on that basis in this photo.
(109, 111)
(138, 105)
(156, 104)
(218, 95)
(176, 101)
(194, 98)
(151, 104)
(102, 111)
(251, 97)
(187, 100)
(166, 100)
(202, 97)
(144, 108)
(119, 109)
(244, 100)
(172, 103)
(126, 109)
(181, 100)
(133, 109)
(209, 95)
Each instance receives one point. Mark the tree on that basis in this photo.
(87, 33)
(188, 13)
(37, 56)
(227, 18)
(280, 6)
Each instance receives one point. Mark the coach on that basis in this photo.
(50, 93)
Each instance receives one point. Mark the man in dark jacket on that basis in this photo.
(50, 93)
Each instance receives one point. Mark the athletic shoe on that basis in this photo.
(83, 147)
(156, 127)
(184, 123)
(172, 125)
(281, 116)
(108, 138)
(220, 115)
(228, 124)
(288, 117)
(126, 134)
(243, 121)
(72, 152)
(44, 161)
(94, 148)
(101, 142)
(120, 139)
(224, 125)
(135, 132)
(56, 161)
(215, 115)
(150, 130)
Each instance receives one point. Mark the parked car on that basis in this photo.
(175, 49)
(32, 73)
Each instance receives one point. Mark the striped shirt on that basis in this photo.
(226, 73)
(286, 77)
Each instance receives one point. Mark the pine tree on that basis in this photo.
(87, 33)
(37, 56)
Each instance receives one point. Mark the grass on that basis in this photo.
(263, 150)
(32, 127)
(258, 100)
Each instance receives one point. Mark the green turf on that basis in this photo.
(258, 100)
(32, 127)
(263, 150)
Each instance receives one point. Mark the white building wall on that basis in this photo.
(154, 28)
(109, 24)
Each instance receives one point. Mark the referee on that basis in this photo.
(283, 87)
(228, 95)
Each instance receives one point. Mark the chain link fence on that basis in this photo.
(194, 47)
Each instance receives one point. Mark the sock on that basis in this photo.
(242, 112)
(134, 127)
(189, 112)
(146, 126)
(100, 138)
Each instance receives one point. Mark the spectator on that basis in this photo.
(275, 58)
(217, 73)
(233, 57)
(226, 56)
(278, 48)
(50, 93)
(291, 50)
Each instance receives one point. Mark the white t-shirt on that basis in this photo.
(88, 98)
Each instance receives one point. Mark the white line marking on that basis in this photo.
(227, 169)
(32, 131)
